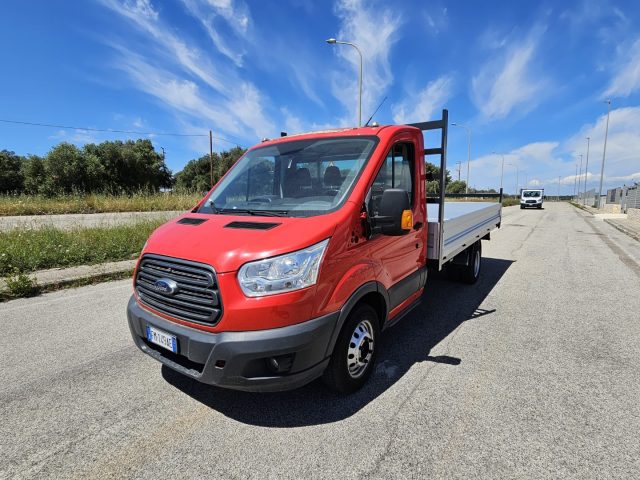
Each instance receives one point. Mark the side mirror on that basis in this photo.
(394, 214)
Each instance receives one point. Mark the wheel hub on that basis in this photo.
(360, 349)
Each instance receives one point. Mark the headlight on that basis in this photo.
(285, 273)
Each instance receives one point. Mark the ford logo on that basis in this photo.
(166, 286)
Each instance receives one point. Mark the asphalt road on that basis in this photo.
(532, 373)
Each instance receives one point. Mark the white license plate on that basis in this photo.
(163, 339)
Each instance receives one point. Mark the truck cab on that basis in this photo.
(293, 264)
(531, 198)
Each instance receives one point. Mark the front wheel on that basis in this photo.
(354, 354)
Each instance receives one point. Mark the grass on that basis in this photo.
(27, 250)
(509, 202)
(98, 203)
(32, 288)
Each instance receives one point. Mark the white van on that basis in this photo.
(531, 198)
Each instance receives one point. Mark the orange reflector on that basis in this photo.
(407, 220)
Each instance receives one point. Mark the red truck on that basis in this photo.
(300, 257)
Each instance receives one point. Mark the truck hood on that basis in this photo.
(226, 242)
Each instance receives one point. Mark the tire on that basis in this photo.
(521, 207)
(539, 207)
(470, 273)
(359, 337)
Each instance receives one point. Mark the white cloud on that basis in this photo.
(508, 81)
(146, 18)
(421, 106)
(236, 16)
(436, 18)
(626, 78)
(623, 143)
(373, 28)
(292, 124)
(541, 163)
(187, 82)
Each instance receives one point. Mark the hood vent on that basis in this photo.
(191, 221)
(252, 225)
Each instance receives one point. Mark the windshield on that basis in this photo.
(296, 178)
(531, 193)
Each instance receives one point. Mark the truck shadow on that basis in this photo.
(445, 306)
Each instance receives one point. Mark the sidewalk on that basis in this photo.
(74, 220)
(57, 277)
(630, 227)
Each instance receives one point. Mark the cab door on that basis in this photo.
(401, 258)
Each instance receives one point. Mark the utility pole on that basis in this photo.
(559, 188)
(459, 164)
(575, 183)
(604, 153)
(468, 150)
(162, 148)
(211, 156)
(584, 195)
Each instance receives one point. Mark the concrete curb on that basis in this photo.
(57, 277)
(635, 234)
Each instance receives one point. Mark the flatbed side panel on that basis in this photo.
(464, 224)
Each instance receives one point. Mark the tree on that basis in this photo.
(130, 166)
(456, 186)
(196, 174)
(69, 170)
(11, 173)
(34, 175)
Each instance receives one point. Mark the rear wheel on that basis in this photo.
(355, 351)
(471, 272)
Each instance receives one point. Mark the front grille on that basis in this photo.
(196, 299)
(531, 201)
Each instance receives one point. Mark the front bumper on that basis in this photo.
(240, 360)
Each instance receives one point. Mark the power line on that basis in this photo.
(111, 130)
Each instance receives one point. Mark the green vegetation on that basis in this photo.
(196, 175)
(28, 250)
(114, 168)
(21, 285)
(509, 202)
(95, 203)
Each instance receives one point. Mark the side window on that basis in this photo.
(396, 172)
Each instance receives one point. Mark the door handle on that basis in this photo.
(417, 226)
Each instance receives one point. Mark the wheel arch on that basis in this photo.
(372, 293)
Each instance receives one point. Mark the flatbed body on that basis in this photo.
(464, 223)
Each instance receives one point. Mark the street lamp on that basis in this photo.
(501, 169)
(604, 152)
(468, 150)
(580, 173)
(333, 41)
(584, 194)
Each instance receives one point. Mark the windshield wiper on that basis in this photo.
(257, 213)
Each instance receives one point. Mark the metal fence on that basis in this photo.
(589, 197)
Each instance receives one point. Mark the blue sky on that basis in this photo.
(528, 78)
